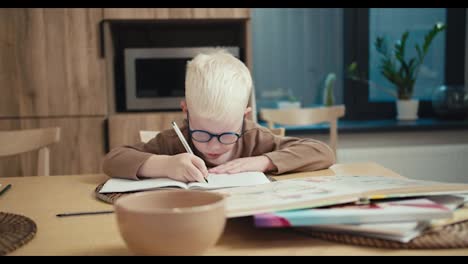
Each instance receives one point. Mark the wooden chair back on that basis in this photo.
(306, 116)
(15, 142)
(147, 135)
(279, 131)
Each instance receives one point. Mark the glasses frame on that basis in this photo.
(218, 136)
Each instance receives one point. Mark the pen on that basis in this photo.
(184, 142)
(181, 137)
(5, 189)
(84, 213)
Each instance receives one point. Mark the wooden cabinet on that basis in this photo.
(175, 13)
(80, 150)
(52, 74)
(50, 63)
(124, 129)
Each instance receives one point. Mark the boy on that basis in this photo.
(218, 87)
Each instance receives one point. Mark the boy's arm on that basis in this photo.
(125, 161)
(290, 154)
(163, 156)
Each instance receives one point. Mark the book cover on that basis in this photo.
(381, 212)
(399, 231)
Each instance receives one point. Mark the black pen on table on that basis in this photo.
(5, 189)
(84, 213)
(184, 142)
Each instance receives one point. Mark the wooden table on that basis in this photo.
(41, 198)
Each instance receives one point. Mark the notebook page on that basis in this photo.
(216, 181)
(312, 192)
(125, 185)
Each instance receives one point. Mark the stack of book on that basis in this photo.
(398, 209)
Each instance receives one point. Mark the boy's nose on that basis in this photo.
(214, 144)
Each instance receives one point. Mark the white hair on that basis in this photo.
(217, 86)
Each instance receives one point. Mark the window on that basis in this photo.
(293, 51)
(444, 63)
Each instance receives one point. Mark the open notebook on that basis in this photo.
(215, 181)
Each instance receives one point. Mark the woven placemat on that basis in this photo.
(449, 236)
(15, 231)
(108, 197)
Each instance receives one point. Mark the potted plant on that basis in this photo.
(329, 87)
(400, 71)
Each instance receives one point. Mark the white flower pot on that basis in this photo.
(288, 105)
(407, 109)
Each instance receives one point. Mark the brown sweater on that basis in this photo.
(288, 154)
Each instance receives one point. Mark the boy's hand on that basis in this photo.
(186, 167)
(259, 163)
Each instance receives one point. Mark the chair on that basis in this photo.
(147, 135)
(279, 131)
(15, 142)
(306, 116)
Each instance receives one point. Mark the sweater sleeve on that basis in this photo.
(125, 161)
(290, 154)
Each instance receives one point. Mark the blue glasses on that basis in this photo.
(203, 136)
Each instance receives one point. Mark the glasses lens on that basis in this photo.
(228, 138)
(201, 136)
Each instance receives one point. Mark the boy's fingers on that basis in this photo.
(214, 169)
(223, 168)
(196, 174)
(234, 170)
(217, 170)
(229, 166)
(186, 177)
(200, 164)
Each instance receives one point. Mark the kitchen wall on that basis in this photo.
(426, 155)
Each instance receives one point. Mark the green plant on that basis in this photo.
(291, 97)
(397, 69)
(328, 96)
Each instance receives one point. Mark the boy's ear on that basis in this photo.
(183, 105)
(247, 111)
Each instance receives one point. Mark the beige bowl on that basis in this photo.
(170, 222)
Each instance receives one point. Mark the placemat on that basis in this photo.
(15, 231)
(450, 236)
(108, 197)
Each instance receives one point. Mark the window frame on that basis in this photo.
(357, 48)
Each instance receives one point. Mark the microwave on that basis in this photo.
(155, 77)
